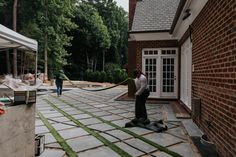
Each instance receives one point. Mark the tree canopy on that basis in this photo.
(75, 35)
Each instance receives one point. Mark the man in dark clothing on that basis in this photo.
(142, 93)
(59, 82)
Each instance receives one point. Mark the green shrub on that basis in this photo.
(112, 75)
(103, 76)
(96, 76)
(119, 75)
(110, 67)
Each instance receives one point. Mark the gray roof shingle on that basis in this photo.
(154, 15)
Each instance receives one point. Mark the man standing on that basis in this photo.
(59, 82)
(141, 95)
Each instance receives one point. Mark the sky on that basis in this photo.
(123, 3)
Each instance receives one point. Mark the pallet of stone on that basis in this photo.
(24, 97)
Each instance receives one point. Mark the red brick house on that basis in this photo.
(187, 48)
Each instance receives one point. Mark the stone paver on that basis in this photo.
(161, 154)
(177, 132)
(90, 121)
(72, 133)
(99, 152)
(163, 139)
(59, 126)
(60, 119)
(109, 137)
(183, 149)
(53, 145)
(139, 131)
(101, 127)
(134, 152)
(111, 117)
(49, 138)
(81, 116)
(141, 145)
(102, 104)
(41, 129)
(119, 134)
(52, 153)
(84, 143)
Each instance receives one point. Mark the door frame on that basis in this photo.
(186, 73)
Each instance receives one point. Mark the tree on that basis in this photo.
(92, 34)
(50, 25)
(35, 24)
(116, 20)
(2, 3)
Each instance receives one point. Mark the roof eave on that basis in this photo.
(151, 31)
(177, 15)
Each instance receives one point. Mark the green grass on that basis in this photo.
(90, 131)
(160, 147)
(69, 151)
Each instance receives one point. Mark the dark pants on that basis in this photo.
(59, 88)
(140, 108)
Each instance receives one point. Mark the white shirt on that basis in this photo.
(141, 84)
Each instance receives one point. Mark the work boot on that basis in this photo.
(144, 121)
(135, 121)
(130, 124)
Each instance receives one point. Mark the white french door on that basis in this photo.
(151, 73)
(160, 67)
(169, 76)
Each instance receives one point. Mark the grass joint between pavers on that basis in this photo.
(96, 135)
(69, 151)
(158, 146)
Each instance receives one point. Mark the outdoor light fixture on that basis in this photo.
(186, 14)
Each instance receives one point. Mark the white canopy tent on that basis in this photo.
(12, 39)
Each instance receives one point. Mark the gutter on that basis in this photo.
(151, 31)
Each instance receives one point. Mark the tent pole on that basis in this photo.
(36, 66)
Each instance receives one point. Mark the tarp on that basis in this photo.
(12, 39)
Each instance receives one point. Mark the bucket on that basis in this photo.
(205, 142)
(208, 148)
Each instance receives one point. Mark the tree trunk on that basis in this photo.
(21, 64)
(24, 63)
(46, 46)
(90, 62)
(14, 28)
(95, 64)
(45, 60)
(103, 60)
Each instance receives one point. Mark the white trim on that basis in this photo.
(195, 7)
(151, 36)
(186, 73)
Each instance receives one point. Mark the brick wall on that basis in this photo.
(214, 78)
